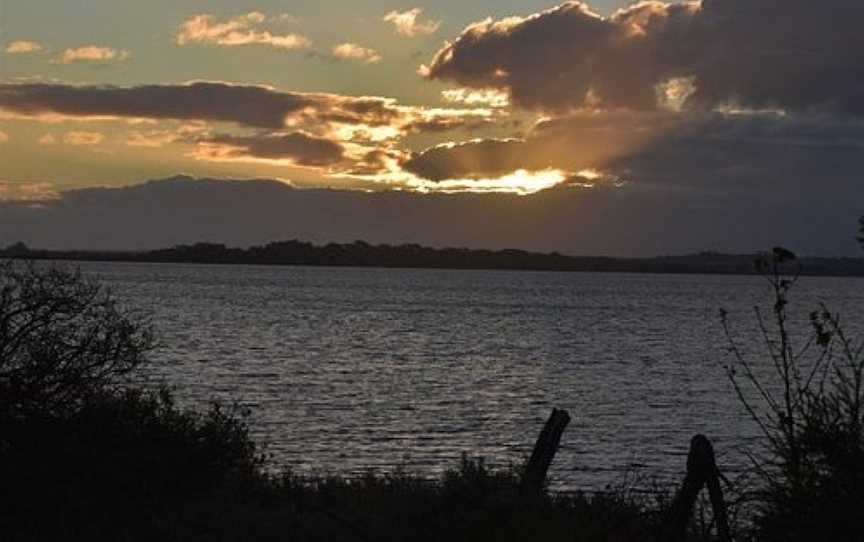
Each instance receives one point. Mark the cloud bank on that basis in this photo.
(642, 221)
(793, 55)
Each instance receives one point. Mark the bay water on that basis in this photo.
(347, 370)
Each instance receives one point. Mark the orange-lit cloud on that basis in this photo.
(152, 139)
(23, 46)
(296, 148)
(47, 139)
(251, 106)
(334, 134)
(24, 191)
(4, 137)
(406, 23)
(353, 51)
(160, 137)
(348, 161)
(90, 53)
(81, 138)
(242, 30)
(490, 97)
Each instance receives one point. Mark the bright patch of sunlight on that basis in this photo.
(672, 94)
(520, 182)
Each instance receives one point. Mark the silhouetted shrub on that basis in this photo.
(82, 453)
(470, 502)
(122, 463)
(807, 402)
(62, 339)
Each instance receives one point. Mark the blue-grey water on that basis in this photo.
(348, 369)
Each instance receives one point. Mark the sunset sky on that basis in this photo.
(605, 128)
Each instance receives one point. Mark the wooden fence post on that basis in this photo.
(543, 454)
(701, 471)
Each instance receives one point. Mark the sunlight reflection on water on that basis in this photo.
(351, 369)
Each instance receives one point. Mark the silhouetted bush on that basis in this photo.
(807, 402)
(468, 503)
(120, 465)
(62, 339)
(82, 453)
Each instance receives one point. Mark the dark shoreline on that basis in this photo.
(361, 254)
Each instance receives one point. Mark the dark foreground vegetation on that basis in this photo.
(362, 254)
(85, 454)
(135, 467)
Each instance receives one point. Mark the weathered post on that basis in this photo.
(543, 454)
(701, 470)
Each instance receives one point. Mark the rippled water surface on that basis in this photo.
(351, 369)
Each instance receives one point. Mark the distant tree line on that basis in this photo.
(363, 254)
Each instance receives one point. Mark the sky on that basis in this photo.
(605, 128)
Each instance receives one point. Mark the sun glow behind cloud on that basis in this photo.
(521, 182)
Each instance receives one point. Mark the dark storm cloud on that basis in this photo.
(252, 106)
(700, 152)
(796, 55)
(808, 160)
(820, 217)
(792, 54)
